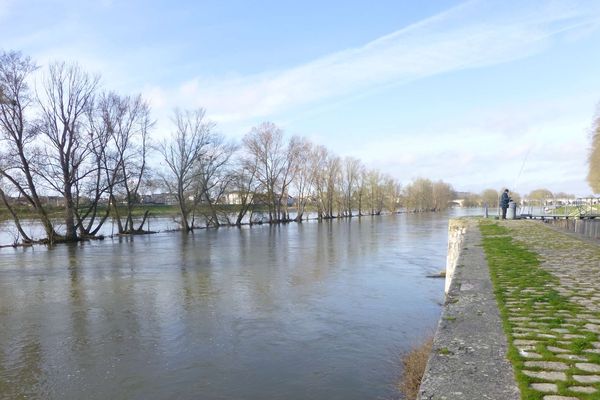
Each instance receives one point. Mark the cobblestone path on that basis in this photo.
(554, 325)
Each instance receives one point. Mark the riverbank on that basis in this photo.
(547, 308)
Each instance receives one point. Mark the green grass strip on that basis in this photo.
(526, 291)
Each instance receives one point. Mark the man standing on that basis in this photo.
(504, 200)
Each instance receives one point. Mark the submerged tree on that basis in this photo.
(351, 168)
(68, 95)
(215, 176)
(20, 154)
(181, 153)
(276, 165)
(126, 123)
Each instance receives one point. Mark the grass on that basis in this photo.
(414, 364)
(526, 291)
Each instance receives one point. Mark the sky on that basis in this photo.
(480, 94)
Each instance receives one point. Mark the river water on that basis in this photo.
(296, 311)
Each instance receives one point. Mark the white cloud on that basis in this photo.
(546, 149)
(472, 35)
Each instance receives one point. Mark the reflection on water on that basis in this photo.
(298, 311)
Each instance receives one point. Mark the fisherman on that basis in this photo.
(504, 200)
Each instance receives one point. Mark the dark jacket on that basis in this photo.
(504, 200)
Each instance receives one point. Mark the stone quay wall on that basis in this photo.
(468, 358)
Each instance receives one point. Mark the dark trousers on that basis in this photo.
(504, 212)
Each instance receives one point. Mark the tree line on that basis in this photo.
(91, 148)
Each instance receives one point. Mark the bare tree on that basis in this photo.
(332, 177)
(490, 197)
(215, 175)
(442, 194)
(541, 195)
(276, 165)
(304, 178)
(244, 185)
(419, 195)
(181, 153)
(319, 170)
(392, 191)
(350, 180)
(68, 94)
(18, 135)
(126, 121)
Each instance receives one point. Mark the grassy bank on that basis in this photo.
(546, 330)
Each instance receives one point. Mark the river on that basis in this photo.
(294, 311)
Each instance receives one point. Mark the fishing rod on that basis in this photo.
(514, 187)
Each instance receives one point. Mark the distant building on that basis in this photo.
(235, 197)
(53, 201)
(167, 199)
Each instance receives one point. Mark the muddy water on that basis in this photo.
(298, 311)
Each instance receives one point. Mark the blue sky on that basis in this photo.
(477, 93)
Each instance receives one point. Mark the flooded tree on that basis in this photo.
(19, 133)
(215, 176)
(66, 98)
(442, 195)
(392, 193)
(244, 186)
(126, 123)
(181, 154)
(84, 154)
(424, 195)
(276, 166)
(326, 167)
(303, 183)
(351, 168)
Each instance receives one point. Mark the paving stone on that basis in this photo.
(526, 348)
(571, 357)
(582, 389)
(557, 349)
(553, 365)
(588, 367)
(585, 316)
(587, 378)
(521, 342)
(573, 336)
(531, 354)
(576, 264)
(545, 387)
(546, 375)
(519, 318)
(592, 328)
(546, 336)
